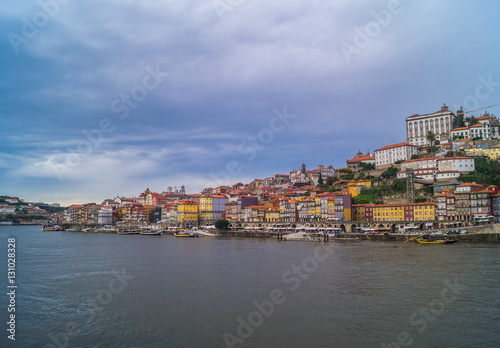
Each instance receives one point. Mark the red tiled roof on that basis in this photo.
(470, 184)
(366, 157)
(450, 158)
(395, 145)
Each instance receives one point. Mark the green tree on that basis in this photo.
(432, 149)
(389, 173)
(458, 121)
(471, 120)
(320, 179)
(366, 166)
(431, 136)
(487, 172)
(363, 199)
(349, 176)
(221, 224)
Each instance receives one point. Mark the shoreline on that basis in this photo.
(477, 237)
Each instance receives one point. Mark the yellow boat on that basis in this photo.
(422, 241)
(430, 241)
(187, 234)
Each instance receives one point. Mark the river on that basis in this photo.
(107, 290)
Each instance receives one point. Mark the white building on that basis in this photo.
(7, 210)
(481, 131)
(420, 163)
(430, 175)
(300, 177)
(169, 214)
(390, 154)
(460, 133)
(462, 164)
(439, 122)
(105, 215)
(439, 168)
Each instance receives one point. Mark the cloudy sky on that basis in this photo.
(108, 97)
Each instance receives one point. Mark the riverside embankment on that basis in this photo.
(477, 234)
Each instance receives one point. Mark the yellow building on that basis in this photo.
(187, 212)
(395, 212)
(122, 212)
(358, 212)
(423, 211)
(354, 187)
(206, 208)
(474, 151)
(272, 214)
(494, 152)
(388, 212)
(331, 208)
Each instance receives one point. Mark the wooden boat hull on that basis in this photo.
(434, 241)
(152, 233)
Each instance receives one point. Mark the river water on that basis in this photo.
(107, 290)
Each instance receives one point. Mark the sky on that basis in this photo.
(109, 97)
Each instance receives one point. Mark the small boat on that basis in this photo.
(52, 228)
(187, 235)
(426, 239)
(151, 232)
(129, 231)
(438, 241)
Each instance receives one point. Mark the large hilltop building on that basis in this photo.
(439, 122)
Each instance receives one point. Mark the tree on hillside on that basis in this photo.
(431, 136)
(471, 120)
(320, 179)
(432, 150)
(389, 173)
(366, 166)
(458, 121)
(345, 170)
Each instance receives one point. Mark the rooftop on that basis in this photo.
(394, 146)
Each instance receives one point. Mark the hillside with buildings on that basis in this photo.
(441, 175)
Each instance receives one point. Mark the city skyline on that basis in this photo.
(107, 98)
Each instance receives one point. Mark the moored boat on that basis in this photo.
(187, 234)
(129, 231)
(438, 241)
(52, 228)
(426, 238)
(151, 232)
